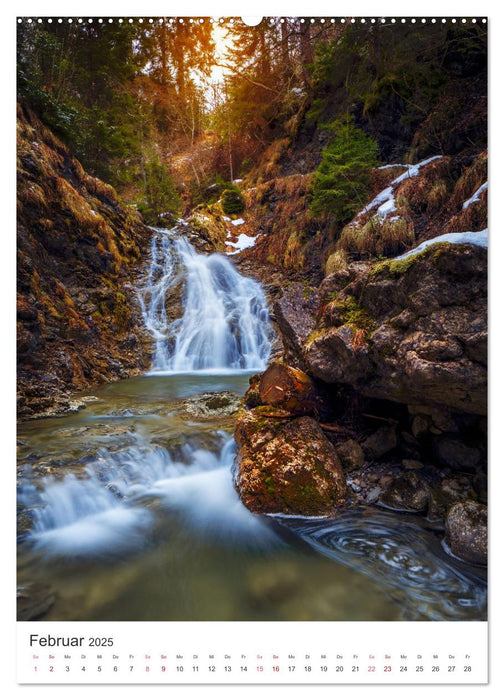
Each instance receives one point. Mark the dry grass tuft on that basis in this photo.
(335, 262)
(377, 238)
(437, 195)
(471, 179)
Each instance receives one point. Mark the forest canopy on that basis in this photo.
(130, 99)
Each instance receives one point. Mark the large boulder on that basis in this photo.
(411, 331)
(467, 531)
(286, 466)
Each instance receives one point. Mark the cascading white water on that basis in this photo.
(225, 324)
(107, 511)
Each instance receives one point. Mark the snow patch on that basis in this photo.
(238, 222)
(413, 170)
(479, 238)
(476, 196)
(386, 208)
(385, 199)
(242, 243)
(386, 195)
(392, 165)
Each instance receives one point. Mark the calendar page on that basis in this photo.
(251, 348)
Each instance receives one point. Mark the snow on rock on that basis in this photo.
(386, 208)
(385, 199)
(385, 196)
(238, 222)
(226, 218)
(235, 182)
(479, 238)
(242, 243)
(476, 195)
(391, 165)
(413, 170)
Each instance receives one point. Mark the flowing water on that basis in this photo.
(127, 510)
(224, 325)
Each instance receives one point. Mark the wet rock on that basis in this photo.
(350, 454)
(34, 600)
(370, 480)
(222, 403)
(380, 442)
(412, 464)
(295, 313)
(409, 492)
(373, 495)
(286, 466)
(454, 453)
(288, 388)
(57, 406)
(467, 531)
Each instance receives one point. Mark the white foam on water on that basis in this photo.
(99, 513)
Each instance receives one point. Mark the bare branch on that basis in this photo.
(248, 78)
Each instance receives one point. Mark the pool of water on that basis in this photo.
(127, 511)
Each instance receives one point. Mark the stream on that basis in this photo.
(127, 509)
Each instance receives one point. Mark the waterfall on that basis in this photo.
(224, 325)
(109, 509)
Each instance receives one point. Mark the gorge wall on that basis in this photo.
(78, 249)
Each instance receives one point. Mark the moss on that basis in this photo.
(269, 485)
(396, 268)
(351, 314)
(307, 288)
(314, 335)
(121, 311)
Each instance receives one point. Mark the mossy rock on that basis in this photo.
(287, 466)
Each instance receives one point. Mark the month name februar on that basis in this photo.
(51, 641)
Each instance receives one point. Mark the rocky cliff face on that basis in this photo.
(412, 331)
(78, 252)
(396, 352)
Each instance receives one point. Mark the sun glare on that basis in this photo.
(223, 42)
